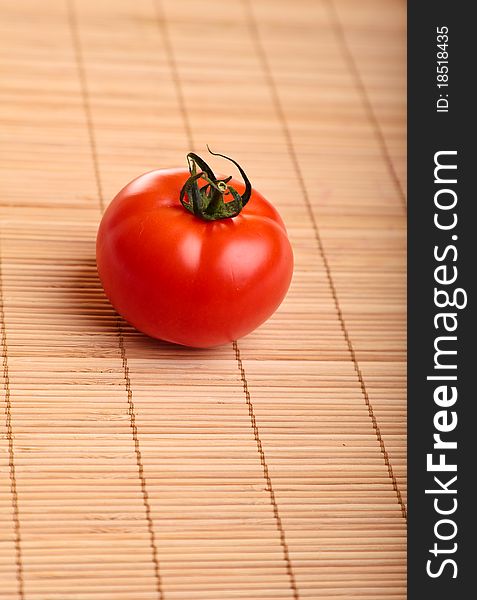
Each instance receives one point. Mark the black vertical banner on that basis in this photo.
(442, 424)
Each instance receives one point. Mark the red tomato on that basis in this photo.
(178, 277)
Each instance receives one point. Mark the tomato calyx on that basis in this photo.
(208, 202)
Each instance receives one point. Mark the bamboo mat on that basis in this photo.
(272, 468)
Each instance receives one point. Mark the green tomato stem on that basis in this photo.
(207, 202)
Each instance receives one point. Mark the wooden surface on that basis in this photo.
(274, 468)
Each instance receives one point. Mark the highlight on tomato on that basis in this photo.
(193, 259)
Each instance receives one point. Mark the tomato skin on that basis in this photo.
(179, 278)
